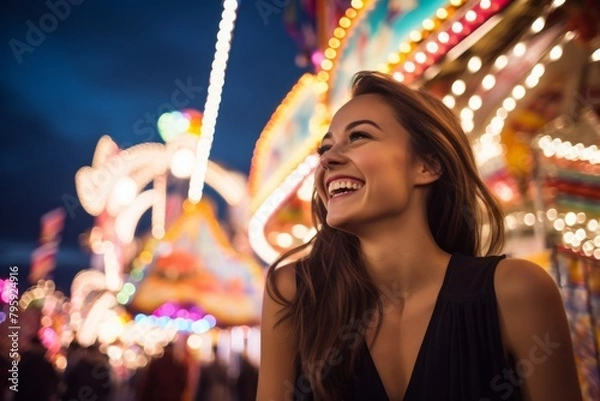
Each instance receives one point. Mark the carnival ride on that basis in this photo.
(132, 300)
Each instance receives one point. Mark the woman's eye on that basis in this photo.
(322, 149)
(358, 135)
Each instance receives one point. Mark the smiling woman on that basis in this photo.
(400, 296)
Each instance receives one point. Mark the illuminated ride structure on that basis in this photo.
(524, 78)
(185, 276)
(189, 278)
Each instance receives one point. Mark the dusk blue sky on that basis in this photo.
(105, 66)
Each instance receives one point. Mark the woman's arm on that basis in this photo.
(536, 332)
(277, 372)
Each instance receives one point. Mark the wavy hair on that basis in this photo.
(335, 296)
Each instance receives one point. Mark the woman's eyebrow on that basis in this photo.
(352, 125)
(359, 122)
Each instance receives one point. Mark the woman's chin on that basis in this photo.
(342, 223)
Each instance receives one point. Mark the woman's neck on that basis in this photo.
(402, 256)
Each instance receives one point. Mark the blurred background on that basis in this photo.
(157, 158)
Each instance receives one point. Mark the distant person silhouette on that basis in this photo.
(37, 378)
(247, 381)
(164, 379)
(89, 377)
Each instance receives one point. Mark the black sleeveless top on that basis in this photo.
(461, 358)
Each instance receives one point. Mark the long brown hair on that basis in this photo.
(335, 297)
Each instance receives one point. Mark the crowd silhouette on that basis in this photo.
(88, 375)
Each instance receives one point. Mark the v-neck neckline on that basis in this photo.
(436, 311)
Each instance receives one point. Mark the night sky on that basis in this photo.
(104, 67)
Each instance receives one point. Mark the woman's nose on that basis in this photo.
(331, 158)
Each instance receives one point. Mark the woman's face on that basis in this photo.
(366, 172)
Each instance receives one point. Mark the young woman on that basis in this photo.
(394, 300)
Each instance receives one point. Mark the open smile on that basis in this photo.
(343, 187)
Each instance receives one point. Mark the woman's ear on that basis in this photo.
(429, 169)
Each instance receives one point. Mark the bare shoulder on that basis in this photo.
(518, 280)
(284, 279)
(535, 331)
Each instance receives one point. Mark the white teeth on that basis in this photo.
(341, 184)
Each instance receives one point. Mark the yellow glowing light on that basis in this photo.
(330, 53)
(441, 13)
(145, 257)
(339, 32)
(322, 87)
(570, 218)
(334, 43)
(351, 13)
(538, 70)
(415, 36)
(538, 24)
(284, 240)
(323, 76)
(466, 114)
(467, 125)
(519, 49)
(518, 92)
(394, 58)
(345, 22)
(501, 62)
(488, 82)
(326, 65)
(357, 4)
(398, 76)
(405, 47)
(428, 24)
(557, 52)
(61, 362)
(213, 99)
(458, 87)
(449, 101)
(475, 102)
(474, 64)
(509, 104)
(299, 231)
(194, 341)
